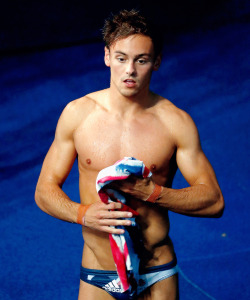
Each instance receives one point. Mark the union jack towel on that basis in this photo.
(125, 257)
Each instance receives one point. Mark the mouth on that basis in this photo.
(129, 82)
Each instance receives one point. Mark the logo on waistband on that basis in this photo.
(113, 286)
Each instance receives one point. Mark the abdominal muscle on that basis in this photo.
(157, 247)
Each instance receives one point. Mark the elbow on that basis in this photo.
(219, 206)
(38, 198)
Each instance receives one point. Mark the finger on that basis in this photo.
(112, 230)
(112, 222)
(132, 179)
(113, 205)
(115, 215)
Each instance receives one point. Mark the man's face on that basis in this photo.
(131, 61)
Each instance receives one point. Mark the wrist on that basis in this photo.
(156, 193)
(81, 214)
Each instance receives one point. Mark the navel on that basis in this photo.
(88, 161)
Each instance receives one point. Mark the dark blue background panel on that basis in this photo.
(206, 73)
(27, 24)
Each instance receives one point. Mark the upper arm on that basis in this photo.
(61, 155)
(191, 160)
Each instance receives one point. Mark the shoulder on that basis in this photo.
(76, 107)
(76, 111)
(169, 112)
(178, 122)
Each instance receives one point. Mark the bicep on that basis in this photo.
(191, 160)
(195, 166)
(61, 155)
(58, 162)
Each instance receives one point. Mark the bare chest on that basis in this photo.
(101, 141)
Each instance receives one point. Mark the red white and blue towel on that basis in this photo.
(125, 256)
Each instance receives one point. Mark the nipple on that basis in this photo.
(153, 167)
(88, 161)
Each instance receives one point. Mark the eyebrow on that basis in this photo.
(137, 56)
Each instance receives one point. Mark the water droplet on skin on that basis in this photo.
(153, 167)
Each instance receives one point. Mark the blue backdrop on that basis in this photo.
(205, 71)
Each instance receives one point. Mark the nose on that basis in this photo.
(130, 68)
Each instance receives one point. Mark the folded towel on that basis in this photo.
(125, 257)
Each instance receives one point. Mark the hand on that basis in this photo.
(100, 216)
(140, 188)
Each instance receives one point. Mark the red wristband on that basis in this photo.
(155, 194)
(81, 213)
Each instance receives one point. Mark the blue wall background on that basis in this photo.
(52, 54)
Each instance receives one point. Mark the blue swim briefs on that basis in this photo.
(110, 282)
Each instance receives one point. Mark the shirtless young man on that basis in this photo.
(127, 119)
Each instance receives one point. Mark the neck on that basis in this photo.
(129, 105)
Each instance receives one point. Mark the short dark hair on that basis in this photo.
(127, 23)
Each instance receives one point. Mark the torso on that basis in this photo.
(103, 138)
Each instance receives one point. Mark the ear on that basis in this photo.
(107, 57)
(157, 62)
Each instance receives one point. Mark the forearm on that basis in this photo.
(198, 200)
(51, 199)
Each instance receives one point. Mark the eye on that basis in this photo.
(141, 61)
(121, 59)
